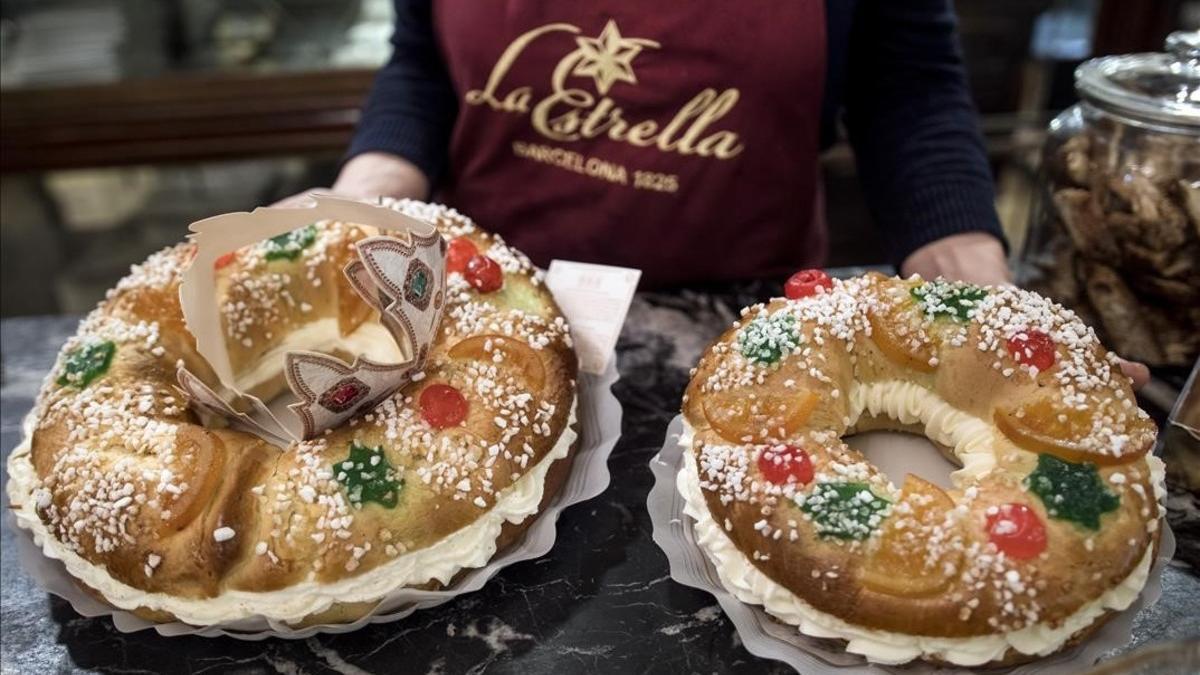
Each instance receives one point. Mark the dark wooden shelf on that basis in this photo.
(183, 118)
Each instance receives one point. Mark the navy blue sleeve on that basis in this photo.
(913, 125)
(411, 108)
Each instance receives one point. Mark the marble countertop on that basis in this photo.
(600, 601)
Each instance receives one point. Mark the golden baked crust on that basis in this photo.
(922, 561)
(348, 612)
(127, 477)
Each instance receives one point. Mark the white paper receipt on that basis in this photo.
(595, 299)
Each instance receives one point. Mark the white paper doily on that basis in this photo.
(599, 419)
(766, 637)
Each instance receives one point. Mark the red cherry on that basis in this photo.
(1033, 348)
(785, 464)
(484, 274)
(459, 253)
(805, 283)
(443, 406)
(224, 260)
(1017, 531)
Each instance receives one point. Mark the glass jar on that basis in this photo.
(1115, 234)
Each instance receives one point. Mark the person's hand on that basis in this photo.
(372, 175)
(976, 257)
(979, 258)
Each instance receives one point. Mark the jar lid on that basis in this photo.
(1155, 89)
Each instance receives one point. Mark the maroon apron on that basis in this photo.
(679, 138)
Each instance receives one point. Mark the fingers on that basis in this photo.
(1138, 372)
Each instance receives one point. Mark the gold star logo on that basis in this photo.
(608, 58)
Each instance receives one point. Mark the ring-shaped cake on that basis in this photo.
(175, 519)
(1053, 518)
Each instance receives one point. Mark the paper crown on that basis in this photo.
(401, 274)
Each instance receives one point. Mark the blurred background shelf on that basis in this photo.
(180, 119)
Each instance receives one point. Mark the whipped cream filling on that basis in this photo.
(972, 439)
(371, 339)
(469, 547)
(908, 403)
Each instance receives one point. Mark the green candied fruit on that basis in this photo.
(287, 246)
(949, 299)
(86, 363)
(367, 476)
(845, 510)
(768, 337)
(1071, 491)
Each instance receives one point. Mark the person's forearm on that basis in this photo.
(380, 174)
(911, 121)
(411, 108)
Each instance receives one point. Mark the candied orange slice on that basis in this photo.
(896, 336)
(916, 555)
(199, 464)
(504, 350)
(1047, 426)
(740, 416)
